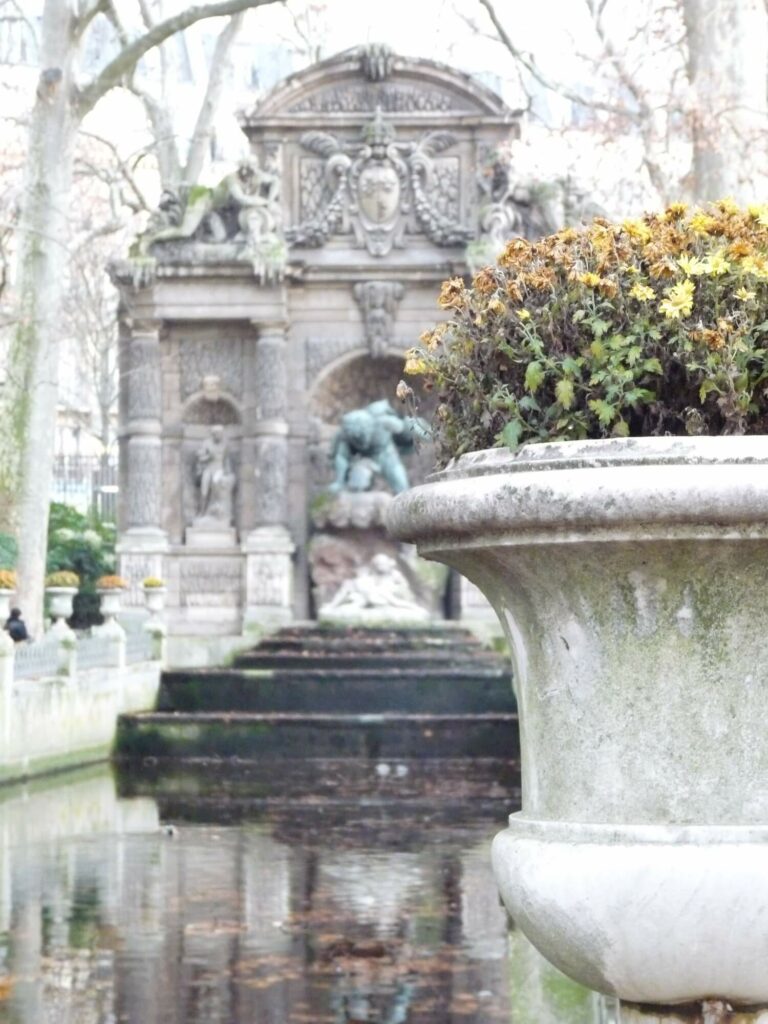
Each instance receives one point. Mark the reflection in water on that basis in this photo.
(278, 919)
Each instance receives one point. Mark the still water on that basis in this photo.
(259, 907)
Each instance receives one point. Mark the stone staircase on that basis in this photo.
(382, 695)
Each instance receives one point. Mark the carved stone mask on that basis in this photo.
(379, 193)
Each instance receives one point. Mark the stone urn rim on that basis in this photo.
(661, 484)
(61, 590)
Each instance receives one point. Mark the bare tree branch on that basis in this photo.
(530, 66)
(85, 19)
(131, 54)
(202, 133)
(123, 168)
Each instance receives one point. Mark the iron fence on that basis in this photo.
(39, 658)
(93, 651)
(89, 482)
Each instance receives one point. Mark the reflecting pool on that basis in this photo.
(233, 897)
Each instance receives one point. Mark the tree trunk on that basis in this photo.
(29, 399)
(727, 60)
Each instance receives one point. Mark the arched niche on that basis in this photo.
(202, 410)
(352, 382)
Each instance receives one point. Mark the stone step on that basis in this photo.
(249, 736)
(326, 781)
(359, 638)
(333, 661)
(192, 690)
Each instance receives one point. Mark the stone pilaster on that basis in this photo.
(268, 546)
(143, 540)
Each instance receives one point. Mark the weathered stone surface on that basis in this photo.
(627, 575)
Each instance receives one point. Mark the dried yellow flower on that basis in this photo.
(453, 294)
(485, 281)
(414, 362)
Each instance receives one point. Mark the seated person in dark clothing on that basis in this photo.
(15, 626)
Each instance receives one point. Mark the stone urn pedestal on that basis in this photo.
(629, 576)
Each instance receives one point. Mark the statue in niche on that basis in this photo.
(215, 481)
(378, 589)
(369, 444)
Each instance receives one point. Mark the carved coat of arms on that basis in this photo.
(377, 187)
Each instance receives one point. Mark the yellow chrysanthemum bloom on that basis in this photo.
(691, 265)
(496, 306)
(414, 362)
(756, 265)
(638, 230)
(716, 265)
(744, 294)
(524, 314)
(728, 205)
(759, 212)
(679, 301)
(589, 279)
(642, 292)
(675, 211)
(702, 223)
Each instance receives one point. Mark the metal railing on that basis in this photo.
(39, 658)
(89, 482)
(94, 651)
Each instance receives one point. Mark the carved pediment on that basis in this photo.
(365, 78)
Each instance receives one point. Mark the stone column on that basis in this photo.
(143, 540)
(268, 546)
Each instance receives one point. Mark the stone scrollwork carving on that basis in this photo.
(508, 206)
(374, 185)
(378, 301)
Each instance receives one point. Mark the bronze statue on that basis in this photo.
(369, 443)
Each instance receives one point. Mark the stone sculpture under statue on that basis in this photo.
(358, 574)
(215, 485)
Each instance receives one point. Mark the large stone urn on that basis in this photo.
(631, 579)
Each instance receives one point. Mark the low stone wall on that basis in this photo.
(59, 721)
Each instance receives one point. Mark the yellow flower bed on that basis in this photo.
(649, 326)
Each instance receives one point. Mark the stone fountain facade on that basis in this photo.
(255, 314)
